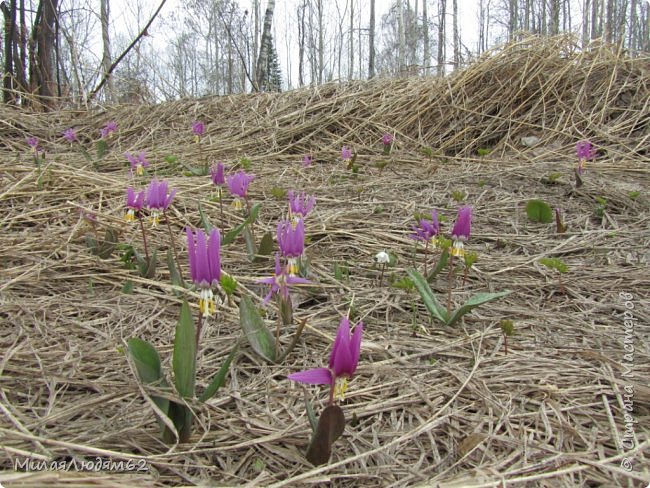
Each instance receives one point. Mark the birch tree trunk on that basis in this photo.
(425, 38)
(442, 12)
(371, 41)
(351, 66)
(456, 35)
(106, 48)
(262, 60)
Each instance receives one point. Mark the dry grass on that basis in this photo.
(444, 408)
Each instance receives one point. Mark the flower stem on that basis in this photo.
(505, 338)
(144, 239)
(381, 276)
(173, 244)
(221, 206)
(449, 279)
(426, 249)
(277, 336)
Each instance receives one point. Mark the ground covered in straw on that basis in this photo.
(443, 406)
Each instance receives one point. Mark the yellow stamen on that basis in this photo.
(458, 249)
(197, 138)
(237, 204)
(292, 267)
(340, 388)
(130, 215)
(139, 170)
(434, 242)
(207, 303)
(155, 219)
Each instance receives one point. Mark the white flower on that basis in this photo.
(382, 257)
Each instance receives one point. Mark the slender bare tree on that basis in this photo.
(371, 41)
(262, 59)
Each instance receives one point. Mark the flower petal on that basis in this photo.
(214, 256)
(355, 346)
(318, 376)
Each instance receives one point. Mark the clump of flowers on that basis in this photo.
(238, 186)
(387, 140)
(346, 154)
(300, 205)
(32, 142)
(205, 266)
(427, 231)
(70, 135)
(280, 283)
(291, 239)
(343, 362)
(107, 131)
(158, 200)
(138, 162)
(198, 129)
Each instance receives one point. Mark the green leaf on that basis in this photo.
(256, 332)
(330, 427)
(434, 308)
(102, 148)
(146, 360)
(473, 302)
(220, 378)
(147, 364)
(127, 288)
(255, 210)
(313, 421)
(539, 211)
(442, 262)
(265, 248)
(555, 263)
(250, 243)
(184, 360)
(146, 266)
(204, 220)
(182, 418)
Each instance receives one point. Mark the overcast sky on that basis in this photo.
(124, 14)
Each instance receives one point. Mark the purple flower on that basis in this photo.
(107, 131)
(198, 129)
(70, 135)
(280, 281)
(158, 200)
(138, 162)
(343, 360)
(308, 160)
(205, 265)
(134, 203)
(33, 143)
(346, 153)
(584, 151)
(300, 205)
(292, 242)
(387, 139)
(461, 230)
(217, 174)
(426, 231)
(238, 185)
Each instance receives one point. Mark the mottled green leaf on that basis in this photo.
(220, 378)
(473, 302)
(256, 332)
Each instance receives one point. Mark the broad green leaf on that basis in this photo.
(434, 308)
(220, 378)
(146, 360)
(182, 418)
(184, 360)
(330, 427)
(204, 220)
(473, 302)
(539, 211)
(86, 155)
(265, 248)
(147, 364)
(102, 148)
(256, 332)
(127, 288)
(232, 234)
(250, 243)
(255, 210)
(442, 262)
(146, 266)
